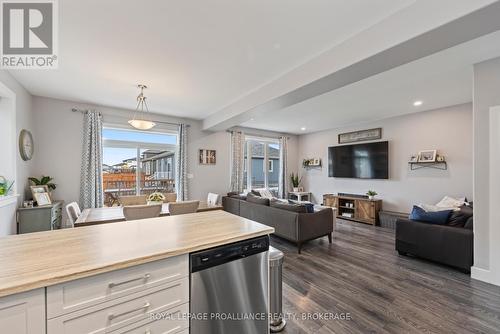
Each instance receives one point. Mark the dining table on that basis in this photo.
(114, 214)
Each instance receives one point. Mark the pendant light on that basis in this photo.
(140, 121)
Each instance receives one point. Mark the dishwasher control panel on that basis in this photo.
(219, 255)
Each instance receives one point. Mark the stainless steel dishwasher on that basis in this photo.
(229, 289)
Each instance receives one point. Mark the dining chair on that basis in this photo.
(180, 208)
(212, 199)
(135, 212)
(169, 197)
(133, 200)
(73, 211)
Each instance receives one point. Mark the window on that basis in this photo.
(261, 164)
(137, 163)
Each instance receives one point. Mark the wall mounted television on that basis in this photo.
(360, 161)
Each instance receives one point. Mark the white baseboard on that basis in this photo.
(484, 275)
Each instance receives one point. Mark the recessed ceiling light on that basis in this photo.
(303, 128)
(417, 103)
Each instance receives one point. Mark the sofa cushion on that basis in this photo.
(470, 223)
(252, 198)
(309, 206)
(459, 218)
(439, 217)
(289, 207)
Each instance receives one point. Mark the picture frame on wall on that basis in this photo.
(362, 135)
(427, 156)
(207, 157)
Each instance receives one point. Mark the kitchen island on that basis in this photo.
(92, 278)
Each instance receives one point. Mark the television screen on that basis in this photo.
(362, 161)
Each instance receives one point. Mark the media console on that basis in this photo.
(357, 208)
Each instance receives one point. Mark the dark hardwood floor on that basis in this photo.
(361, 275)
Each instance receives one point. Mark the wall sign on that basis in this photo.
(362, 135)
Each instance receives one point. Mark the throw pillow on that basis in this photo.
(438, 218)
(298, 208)
(460, 217)
(309, 206)
(435, 208)
(469, 224)
(257, 199)
(266, 193)
(255, 192)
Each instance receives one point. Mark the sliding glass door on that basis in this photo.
(137, 163)
(262, 161)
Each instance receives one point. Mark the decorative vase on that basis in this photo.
(155, 202)
(371, 198)
(295, 189)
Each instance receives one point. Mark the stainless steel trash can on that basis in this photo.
(277, 322)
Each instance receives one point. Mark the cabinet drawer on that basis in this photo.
(177, 323)
(116, 314)
(76, 295)
(23, 313)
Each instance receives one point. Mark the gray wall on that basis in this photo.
(449, 130)
(59, 134)
(486, 95)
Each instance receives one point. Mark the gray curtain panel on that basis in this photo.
(91, 194)
(237, 160)
(283, 175)
(181, 168)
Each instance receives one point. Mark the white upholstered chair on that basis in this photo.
(212, 199)
(169, 197)
(135, 212)
(133, 200)
(181, 208)
(73, 211)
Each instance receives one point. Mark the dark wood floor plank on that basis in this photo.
(361, 274)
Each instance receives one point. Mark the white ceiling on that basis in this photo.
(196, 56)
(439, 80)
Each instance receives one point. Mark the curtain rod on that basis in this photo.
(256, 135)
(83, 111)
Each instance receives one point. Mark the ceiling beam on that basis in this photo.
(458, 31)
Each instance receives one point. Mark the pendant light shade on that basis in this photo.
(140, 120)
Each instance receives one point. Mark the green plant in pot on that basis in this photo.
(371, 194)
(156, 198)
(294, 178)
(43, 181)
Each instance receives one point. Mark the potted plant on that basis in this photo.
(156, 198)
(371, 194)
(295, 182)
(43, 181)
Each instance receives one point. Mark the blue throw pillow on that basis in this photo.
(438, 218)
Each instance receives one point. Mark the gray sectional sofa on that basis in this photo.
(290, 221)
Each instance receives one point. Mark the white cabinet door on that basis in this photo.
(23, 313)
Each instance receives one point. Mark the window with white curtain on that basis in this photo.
(262, 159)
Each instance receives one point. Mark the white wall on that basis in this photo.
(486, 241)
(23, 120)
(59, 134)
(449, 130)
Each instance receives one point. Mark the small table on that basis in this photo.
(300, 196)
(115, 214)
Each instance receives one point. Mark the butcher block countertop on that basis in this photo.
(41, 259)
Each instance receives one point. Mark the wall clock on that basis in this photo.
(26, 146)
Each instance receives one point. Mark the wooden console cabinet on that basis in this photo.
(357, 209)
